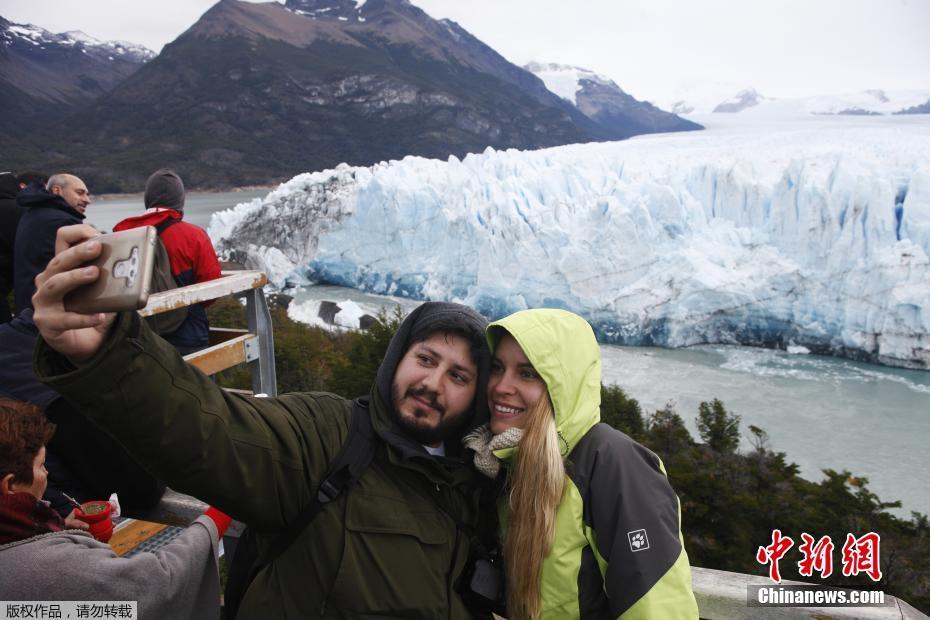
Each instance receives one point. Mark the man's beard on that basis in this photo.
(417, 428)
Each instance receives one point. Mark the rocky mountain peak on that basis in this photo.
(746, 98)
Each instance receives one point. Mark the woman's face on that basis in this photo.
(513, 387)
(39, 477)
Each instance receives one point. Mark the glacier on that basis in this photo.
(811, 233)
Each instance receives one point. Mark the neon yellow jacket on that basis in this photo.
(618, 550)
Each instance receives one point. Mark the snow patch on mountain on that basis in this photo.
(340, 10)
(564, 80)
(811, 234)
(697, 99)
(41, 38)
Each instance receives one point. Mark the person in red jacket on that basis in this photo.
(190, 251)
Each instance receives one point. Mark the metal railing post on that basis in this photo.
(264, 379)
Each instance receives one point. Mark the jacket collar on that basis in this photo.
(35, 196)
(9, 186)
(24, 516)
(151, 217)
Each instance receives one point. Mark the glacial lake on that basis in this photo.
(106, 211)
(823, 412)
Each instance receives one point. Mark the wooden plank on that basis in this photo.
(221, 356)
(222, 334)
(133, 534)
(231, 282)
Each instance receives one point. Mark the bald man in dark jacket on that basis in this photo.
(61, 203)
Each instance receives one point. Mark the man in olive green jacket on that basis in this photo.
(393, 546)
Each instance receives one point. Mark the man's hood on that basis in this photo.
(426, 318)
(9, 186)
(561, 347)
(34, 195)
(152, 217)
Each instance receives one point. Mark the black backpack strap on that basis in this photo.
(344, 470)
(165, 224)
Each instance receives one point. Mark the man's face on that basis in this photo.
(434, 387)
(75, 194)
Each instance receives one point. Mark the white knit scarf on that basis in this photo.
(483, 442)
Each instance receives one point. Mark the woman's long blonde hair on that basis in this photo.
(536, 485)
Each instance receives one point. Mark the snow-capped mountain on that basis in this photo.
(863, 103)
(600, 99)
(43, 74)
(708, 97)
(703, 99)
(700, 96)
(815, 235)
(27, 37)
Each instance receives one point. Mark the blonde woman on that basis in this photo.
(590, 524)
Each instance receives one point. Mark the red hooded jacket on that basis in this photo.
(193, 260)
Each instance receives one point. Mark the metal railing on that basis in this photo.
(229, 347)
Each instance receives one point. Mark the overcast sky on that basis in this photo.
(783, 48)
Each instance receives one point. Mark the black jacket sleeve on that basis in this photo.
(632, 514)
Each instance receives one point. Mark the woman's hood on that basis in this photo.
(562, 348)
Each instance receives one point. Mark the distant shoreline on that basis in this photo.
(244, 188)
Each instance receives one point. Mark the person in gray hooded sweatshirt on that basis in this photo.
(46, 558)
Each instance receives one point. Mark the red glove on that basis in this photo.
(221, 519)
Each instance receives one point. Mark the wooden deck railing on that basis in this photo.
(229, 347)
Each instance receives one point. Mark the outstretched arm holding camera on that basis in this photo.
(238, 453)
(76, 336)
(392, 545)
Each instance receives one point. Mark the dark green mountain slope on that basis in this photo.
(254, 93)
